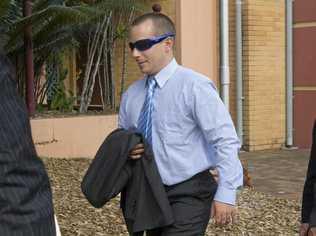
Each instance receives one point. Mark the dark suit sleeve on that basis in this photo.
(308, 192)
(110, 170)
(25, 195)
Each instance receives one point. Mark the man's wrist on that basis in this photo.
(225, 195)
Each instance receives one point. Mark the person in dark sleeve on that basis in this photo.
(182, 117)
(26, 207)
(308, 221)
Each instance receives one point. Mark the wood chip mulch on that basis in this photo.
(259, 213)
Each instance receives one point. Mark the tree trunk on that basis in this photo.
(111, 67)
(97, 63)
(88, 68)
(125, 57)
(29, 67)
(92, 67)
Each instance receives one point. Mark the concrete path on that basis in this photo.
(280, 173)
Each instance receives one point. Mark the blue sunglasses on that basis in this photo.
(144, 44)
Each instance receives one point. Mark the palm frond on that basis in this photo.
(46, 22)
(4, 6)
(70, 14)
(39, 5)
(119, 5)
(11, 10)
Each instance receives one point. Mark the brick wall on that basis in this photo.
(264, 73)
(232, 61)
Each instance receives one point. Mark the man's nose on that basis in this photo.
(135, 53)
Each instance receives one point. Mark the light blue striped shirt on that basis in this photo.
(191, 128)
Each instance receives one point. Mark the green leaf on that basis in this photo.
(4, 7)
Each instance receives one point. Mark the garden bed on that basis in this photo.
(259, 213)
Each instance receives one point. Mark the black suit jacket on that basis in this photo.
(25, 196)
(143, 199)
(309, 193)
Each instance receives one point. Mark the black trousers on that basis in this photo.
(191, 203)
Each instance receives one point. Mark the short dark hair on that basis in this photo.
(162, 23)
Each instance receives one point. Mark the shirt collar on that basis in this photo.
(165, 74)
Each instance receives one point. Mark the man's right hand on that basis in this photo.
(312, 231)
(137, 151)
(304, 229)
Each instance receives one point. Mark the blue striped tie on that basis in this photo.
(144, 121)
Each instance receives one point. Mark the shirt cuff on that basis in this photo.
(225, 195)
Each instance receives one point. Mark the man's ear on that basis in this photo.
(169, 44)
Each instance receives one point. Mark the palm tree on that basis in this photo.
(58, 25)
(50, 21)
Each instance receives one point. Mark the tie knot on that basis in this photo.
(151, 83)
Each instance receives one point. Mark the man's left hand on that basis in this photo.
(223, 213)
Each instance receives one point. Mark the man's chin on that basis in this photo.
(143, 70)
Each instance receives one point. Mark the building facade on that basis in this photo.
(304, 56)
(264, 67)
(263, 29)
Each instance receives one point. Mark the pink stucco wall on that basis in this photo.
(71, 137)
(196, 23)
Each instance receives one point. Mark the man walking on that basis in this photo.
(181, 116)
